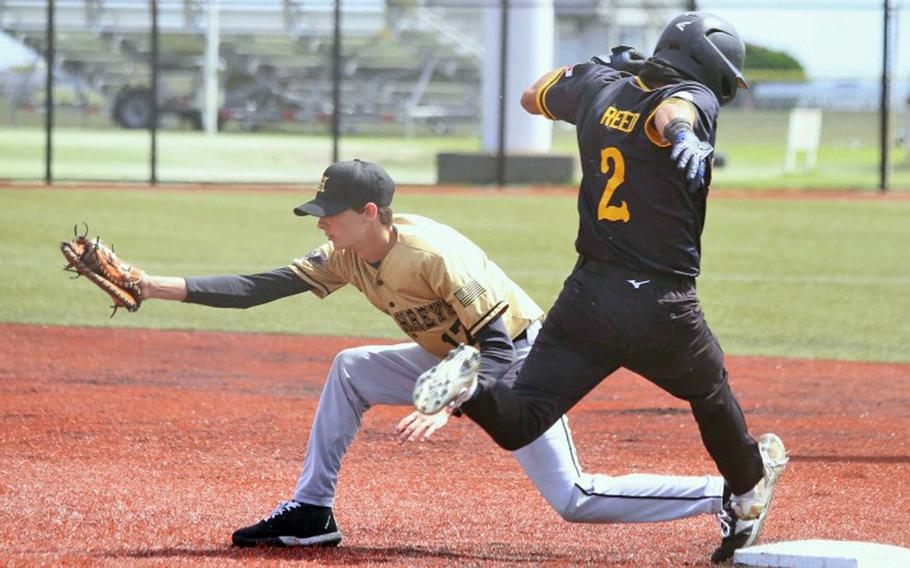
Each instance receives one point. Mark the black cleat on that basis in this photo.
(742, 517)
(735, 532)
(292, 524)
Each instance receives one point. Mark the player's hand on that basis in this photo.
(691, 155)
(622, 58)
(417, 425)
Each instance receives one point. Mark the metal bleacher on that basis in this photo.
(401, 64)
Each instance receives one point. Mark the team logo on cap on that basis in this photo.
(321, 187)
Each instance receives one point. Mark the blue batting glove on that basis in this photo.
(691, 155)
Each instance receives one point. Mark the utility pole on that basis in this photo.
(336, 79)
(153, 122)
(885, 112)
(49, 96)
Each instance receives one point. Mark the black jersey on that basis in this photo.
(635, 207)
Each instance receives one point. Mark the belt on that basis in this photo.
(603, 268)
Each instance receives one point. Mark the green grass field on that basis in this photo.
(805, 278)
(753, 143)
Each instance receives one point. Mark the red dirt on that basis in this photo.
(151, 447)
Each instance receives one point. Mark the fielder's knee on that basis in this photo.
(582, 507)
(344, 371)
(569, 513)
(348, 360)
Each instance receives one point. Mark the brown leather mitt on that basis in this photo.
(97, 261)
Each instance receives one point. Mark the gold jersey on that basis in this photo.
(438, 286)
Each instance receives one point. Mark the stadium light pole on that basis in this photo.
(885, 165)
(691, 6)
(49, 96)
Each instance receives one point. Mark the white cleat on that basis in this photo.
(450, 382)
(755, 503)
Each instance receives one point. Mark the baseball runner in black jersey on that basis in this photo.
(645, 140)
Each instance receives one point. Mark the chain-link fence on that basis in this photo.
(268, 92)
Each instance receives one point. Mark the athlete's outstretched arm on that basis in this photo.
(674, 120)
(235, 291)
(621, 58)
(529, 100)
(162, 288)
(670, 110)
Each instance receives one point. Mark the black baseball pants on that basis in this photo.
(607, 317)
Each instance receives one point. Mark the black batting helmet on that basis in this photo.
(707, 49)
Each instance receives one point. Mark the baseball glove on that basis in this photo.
(97, 261)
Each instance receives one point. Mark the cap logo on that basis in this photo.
(321, 187)
(682, 25)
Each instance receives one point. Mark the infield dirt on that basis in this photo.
(140, 447)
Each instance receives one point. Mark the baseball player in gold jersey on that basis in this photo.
(442, 290)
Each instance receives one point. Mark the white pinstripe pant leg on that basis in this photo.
(551, 464)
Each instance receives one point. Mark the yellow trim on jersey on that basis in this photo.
(654, 136)
(542, 92)
(641, 84)
(319, 288)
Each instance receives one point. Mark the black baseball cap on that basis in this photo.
(349, 184)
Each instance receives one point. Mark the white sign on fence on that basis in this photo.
(803, 135)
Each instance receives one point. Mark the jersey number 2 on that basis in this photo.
(617, 175)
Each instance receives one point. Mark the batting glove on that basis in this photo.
(691, 155)
(622, 58)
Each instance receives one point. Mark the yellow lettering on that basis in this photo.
(622, 120)
(617, 120)
(629, 123)
(608, 115)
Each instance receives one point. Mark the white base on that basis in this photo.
(823, 554)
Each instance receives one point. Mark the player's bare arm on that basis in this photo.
(163, 288)
(670, 110)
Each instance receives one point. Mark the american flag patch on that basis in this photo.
(469, 292)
